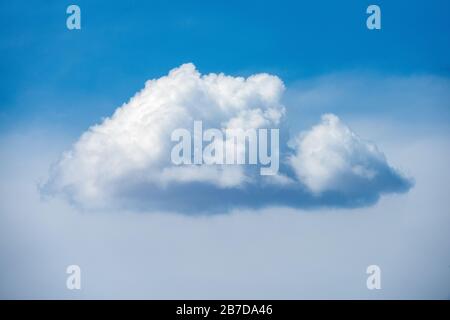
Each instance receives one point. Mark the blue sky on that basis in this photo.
(51, 74)
(391, 87)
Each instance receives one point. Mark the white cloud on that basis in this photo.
(331, 157)
(133, 146)
(127, 156)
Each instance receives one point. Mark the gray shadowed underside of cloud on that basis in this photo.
(125, 160)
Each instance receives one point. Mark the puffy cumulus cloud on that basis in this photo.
(125, 160)
(331, 157)
(133, 146)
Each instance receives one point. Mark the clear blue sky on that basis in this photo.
(74, 78)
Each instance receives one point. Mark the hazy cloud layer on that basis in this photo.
(125, 160)
(299, 254)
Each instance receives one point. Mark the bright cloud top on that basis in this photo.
(126, 158)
